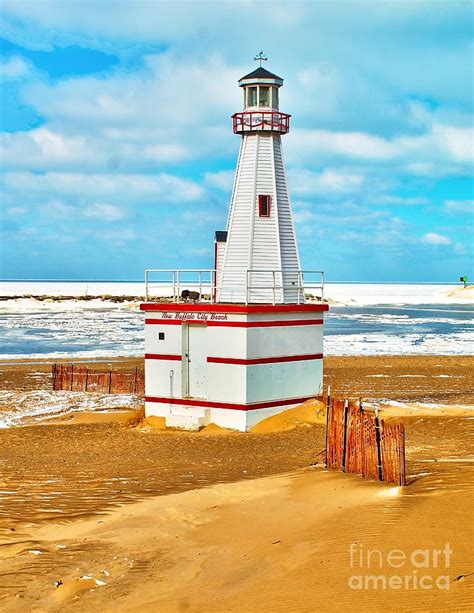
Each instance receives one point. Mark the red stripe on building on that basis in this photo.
(237, 324)
(233, 308)
(226, 405)
(173, 322)
(284, 358)
(265, 324)
(162, 356)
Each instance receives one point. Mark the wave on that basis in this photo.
(461, 343)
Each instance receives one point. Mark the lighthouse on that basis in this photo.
(239, 342)
(260, 232)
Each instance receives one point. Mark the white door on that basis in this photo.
(197, 361)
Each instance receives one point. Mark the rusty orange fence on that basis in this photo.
(82, 379)
(357, 441)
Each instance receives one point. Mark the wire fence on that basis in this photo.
(82, 379)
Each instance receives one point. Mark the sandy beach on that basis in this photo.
(98, 515)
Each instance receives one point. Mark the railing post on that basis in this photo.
(146, 285)
(200, 284)
(178, 288)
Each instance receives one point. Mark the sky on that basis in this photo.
(117, 151)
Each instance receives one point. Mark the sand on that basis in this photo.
(311, 412)
(102, 516)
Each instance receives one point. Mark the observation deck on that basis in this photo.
(260, 121)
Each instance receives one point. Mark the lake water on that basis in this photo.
(364, 319)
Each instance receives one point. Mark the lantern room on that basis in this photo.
(261, 104)
(260, 89)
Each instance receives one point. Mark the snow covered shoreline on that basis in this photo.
(55, 294)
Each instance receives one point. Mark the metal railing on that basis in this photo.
(260, 285)
(284, 284)
(173, 282)
(250, 121)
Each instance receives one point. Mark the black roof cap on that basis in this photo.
(221, 236)
(261, 73)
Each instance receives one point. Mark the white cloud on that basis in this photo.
(393, 199)
(305, 143)
(442, 148)
(124, 187)
(163, 112)
(457, 142)
(222, 179)
(329, 180)
(42, 148)
(459, 206)
(431, 238)
(16, 211)
(13, 68)
(105, 212)
(56, 208)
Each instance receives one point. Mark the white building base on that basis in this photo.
(228, 364)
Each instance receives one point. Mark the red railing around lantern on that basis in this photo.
(252, 121)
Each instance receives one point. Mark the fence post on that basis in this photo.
(86, 379)
(344, 438)
(328, 408)
(401, 456)
(135, 381)
(53, 375)
(379, 445)
(110, 381)
(72, 375)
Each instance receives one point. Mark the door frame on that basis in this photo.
(185, 360)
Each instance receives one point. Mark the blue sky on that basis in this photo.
(117, 150)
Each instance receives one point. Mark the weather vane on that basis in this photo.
(260, 58)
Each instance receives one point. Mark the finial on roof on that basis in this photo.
(260, 58)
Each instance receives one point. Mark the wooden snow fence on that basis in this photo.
(82, 379)
(357, 441)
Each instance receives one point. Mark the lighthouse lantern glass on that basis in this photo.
(251, 96)
(275, 97)
(264, 98)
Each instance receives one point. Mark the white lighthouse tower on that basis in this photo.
(239, 342)
(260, 232)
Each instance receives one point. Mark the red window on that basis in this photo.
(264, 206)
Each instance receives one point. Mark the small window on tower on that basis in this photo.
(252, 96)
(161, 336)
(264, 206)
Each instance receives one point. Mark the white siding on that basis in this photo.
(288, 246)
(239, 225)
(255, 242)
